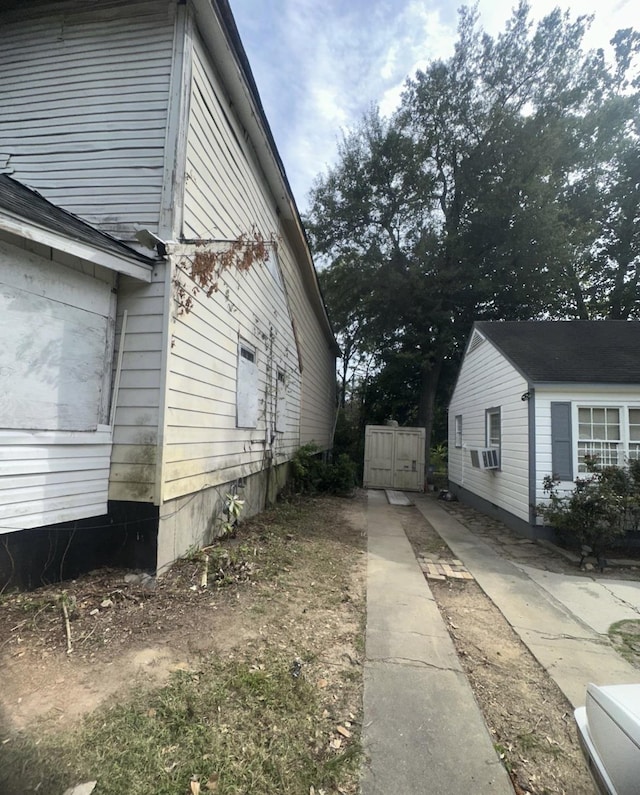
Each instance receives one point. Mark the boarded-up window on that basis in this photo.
(247, 387)
(281, 402)
(273, 266)
(561, 444)
(53, 328)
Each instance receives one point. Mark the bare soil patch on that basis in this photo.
(528, 717)
(291, 585)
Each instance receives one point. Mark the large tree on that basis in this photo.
(504, 187)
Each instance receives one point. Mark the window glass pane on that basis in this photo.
(613, 424)
(493, 428)
(458, 430)
(584, 415)
(634, 425)
(598, 416)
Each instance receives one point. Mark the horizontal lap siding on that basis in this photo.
(48, 477)
(203, 446)
(85, 91)
(58, 473)
(318, 396)
(135, 431)
(487, 380)
(576, 394)
(225, 196)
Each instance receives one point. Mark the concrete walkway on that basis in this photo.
(423, 733)
(562, 620)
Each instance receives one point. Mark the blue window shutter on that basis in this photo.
(561, 441)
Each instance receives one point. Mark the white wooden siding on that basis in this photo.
(54, 448)
(487, 380)
(137, 416)
(577, 395)
(318, 361)
(203, 447)
(48, 477)
(226, 194)
(84, 111)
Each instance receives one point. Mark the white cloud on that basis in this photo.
(320, 65)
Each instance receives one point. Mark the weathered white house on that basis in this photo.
(533, 399)
(143, 119)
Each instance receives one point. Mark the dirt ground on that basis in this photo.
(304, 591)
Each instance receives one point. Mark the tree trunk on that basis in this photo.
(428, 389)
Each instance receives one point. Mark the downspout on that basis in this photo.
(531, 400)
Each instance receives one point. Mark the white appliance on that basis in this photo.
(609, 733)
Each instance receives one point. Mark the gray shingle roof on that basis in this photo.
(579, 351)
(30, 206)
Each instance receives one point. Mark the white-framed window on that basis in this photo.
(634, 433)
(609, 434)
(458, 430)
(599, 436)
(247, 386)
(493, 427)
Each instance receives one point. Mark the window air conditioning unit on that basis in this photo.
(485, 458)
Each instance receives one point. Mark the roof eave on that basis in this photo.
(234, 65)
(67, 245)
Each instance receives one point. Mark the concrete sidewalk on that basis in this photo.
(423, 733)
(562, 623)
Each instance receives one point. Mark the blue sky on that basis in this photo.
(320, 64)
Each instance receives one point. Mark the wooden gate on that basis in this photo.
(394, 458)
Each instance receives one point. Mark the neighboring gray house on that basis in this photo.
(143, 120)
(532, 399)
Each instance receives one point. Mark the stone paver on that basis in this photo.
(439, 569)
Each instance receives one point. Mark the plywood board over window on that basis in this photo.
(54, 325)
(247, 387)
(281, 401)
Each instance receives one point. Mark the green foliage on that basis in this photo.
(600, 509)
(311, 475)
(339, 477)
(307, 468)
(505, 187)
(439, 458)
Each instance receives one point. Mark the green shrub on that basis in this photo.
(311, 475)
(339, 477)
(307, 468)
(601, 509)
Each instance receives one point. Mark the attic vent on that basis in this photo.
(476, 340)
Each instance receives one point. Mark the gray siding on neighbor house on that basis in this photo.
(85, 91)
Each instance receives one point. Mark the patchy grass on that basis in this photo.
(237, 727)
(625, 637)
(279, 714)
